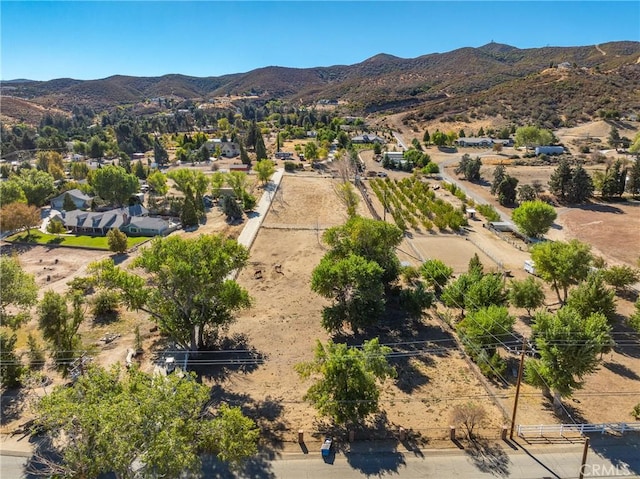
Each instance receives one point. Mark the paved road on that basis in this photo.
(605, 459)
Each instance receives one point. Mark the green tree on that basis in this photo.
(15, 216)
(580, 187)
(68, 203)
(426, 138)
(217, 181)
(534, 218)
(114, 185)
(486, 291)
(561, 179)
(117, 241)
(436, 274)
(482, 330)
(230, 207)
(11, 192)
(614, 137)
(475, 266)
(187, 291)
(439, 138)
(79, 170)
(348, 196)
(189, 214)
(593, 296)
(620, 277)
(59, 326)
(38, 186)
(10, 366)
(614, 180)
(562, 264)
(532, 136)
(157, 182)
(19, 292)
(244, 156)
(261, 150)
(96, 147)
(527, 294)
(633, 180)
(132, 424)
(237, 181)
(499, 174)
(507, 190)
(371, 239)
(469, 168)
(160, 155)
(264, 169)
(527, 193)
(453, 295)
(347, 390)
(355, 285)
(634, 318)
(311, 151)
(55, 227)
(570, 346)
(140, 170)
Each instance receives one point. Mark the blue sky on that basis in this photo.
(91, 40)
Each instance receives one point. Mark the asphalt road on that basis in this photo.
(605, 459)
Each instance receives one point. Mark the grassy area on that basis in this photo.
(95, 242)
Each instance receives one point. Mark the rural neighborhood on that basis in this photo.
(242, 276)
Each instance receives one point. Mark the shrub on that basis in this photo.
(105, 303)
(489, 212)
(289, 166)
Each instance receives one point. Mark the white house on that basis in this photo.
(228, 149)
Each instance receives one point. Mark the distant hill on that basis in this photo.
(493, 79)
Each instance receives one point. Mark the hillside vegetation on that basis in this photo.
(495, 79)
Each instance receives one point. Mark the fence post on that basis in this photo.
(300, 436)
(452, 433)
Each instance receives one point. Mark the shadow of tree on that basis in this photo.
(621, 370)
(225, 356)
(488, 457)
(414, 342)
(12, 403)
(623, 452)
(370, 461)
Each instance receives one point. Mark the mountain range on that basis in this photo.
(547, 85)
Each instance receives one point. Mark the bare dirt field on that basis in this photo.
(285, 324)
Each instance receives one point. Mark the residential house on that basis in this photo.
(147, 226)
(475, 142)
(100, 222)
(228, 149)
(368, 139)
(81, 200)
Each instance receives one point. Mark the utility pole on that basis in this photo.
(584, 458)
(515, 401)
